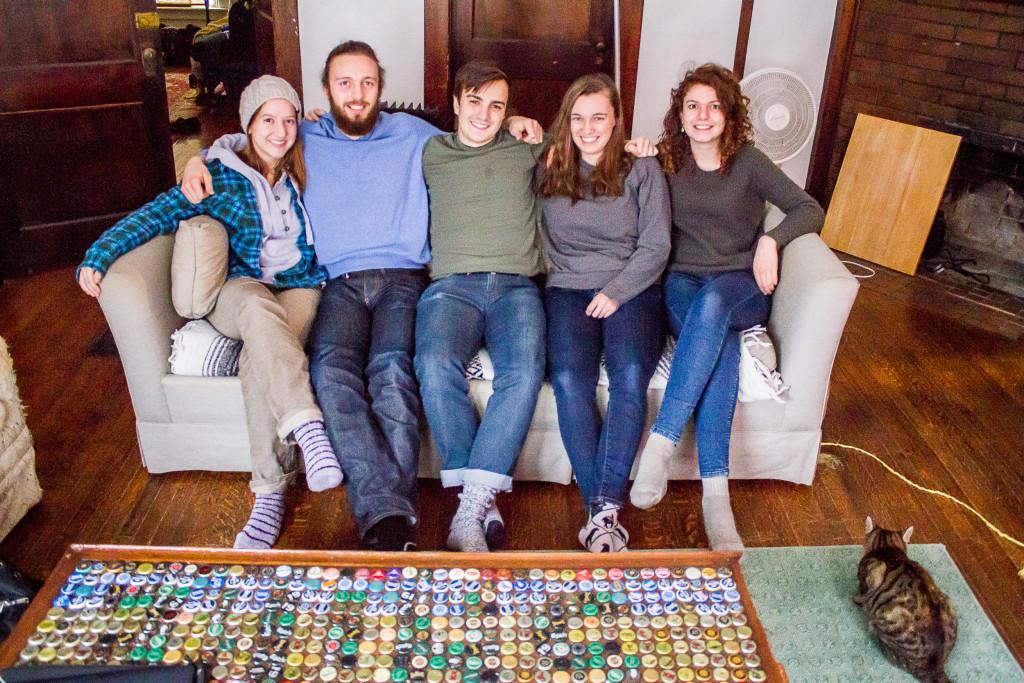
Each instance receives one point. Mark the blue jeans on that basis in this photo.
(360, 352)
(456, 314)
(706, 313)
(631, 338)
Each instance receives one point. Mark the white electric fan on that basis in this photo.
(782, 111)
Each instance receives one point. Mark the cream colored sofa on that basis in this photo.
(197, 423)
(19, 487)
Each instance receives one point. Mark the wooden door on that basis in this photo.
(543, 45)
(83, 124)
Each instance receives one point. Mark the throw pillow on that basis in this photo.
(199, 266)
(199, 350)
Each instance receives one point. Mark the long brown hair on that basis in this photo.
(562, 176)
(674, 145)
(293, 162)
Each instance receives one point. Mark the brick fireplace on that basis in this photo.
(955, 66)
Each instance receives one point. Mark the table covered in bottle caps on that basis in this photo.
(562, 617)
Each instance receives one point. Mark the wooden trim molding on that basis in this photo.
(436, 58)
(829, 110)
(739, 62)
(631, 15)
(287, 59)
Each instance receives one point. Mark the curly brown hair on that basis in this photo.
(562, 175)
(674, 145)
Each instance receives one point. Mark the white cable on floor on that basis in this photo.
(871, 271)
(934, 492)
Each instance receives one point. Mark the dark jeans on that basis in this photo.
(361, 351)
(707, 312)
(456, 314)
(631, 338)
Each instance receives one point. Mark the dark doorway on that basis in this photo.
(543, 45)
(83, 125)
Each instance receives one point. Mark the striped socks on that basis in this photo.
(322, 469)
(264, 525)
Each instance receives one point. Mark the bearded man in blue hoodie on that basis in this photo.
(369, 211)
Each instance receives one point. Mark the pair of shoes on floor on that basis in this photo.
(185, 126)
(390, 534)
(602, 533)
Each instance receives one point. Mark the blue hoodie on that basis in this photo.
(366, 198)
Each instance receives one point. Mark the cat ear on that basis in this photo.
(907, 533)
(868, 525)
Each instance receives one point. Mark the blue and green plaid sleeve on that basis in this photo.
(159, 217)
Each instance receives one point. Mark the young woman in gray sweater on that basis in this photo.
(722, 271)
(606, 219)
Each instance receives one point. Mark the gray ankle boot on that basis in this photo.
(467, 529)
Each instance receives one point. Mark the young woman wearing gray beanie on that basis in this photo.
(270, 296)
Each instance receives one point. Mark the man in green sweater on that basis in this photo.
(485, 247)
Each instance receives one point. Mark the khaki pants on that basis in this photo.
(273, 368)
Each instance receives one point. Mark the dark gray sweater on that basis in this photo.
(716, 219)
(616, 244)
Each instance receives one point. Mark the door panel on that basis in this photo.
(83, 125)
(543, 45)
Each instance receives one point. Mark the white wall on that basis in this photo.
(675, 34)
(792, 34)
(393, 28)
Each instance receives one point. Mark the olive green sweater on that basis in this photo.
(483, 210)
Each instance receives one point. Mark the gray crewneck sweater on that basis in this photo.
(616, 244)
(716, 219)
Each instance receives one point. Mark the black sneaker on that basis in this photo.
(390, 534)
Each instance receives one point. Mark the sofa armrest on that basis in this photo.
(809, 311)
(136, 299)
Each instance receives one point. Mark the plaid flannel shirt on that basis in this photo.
(233, 204)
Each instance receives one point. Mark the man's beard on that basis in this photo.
(355, 127)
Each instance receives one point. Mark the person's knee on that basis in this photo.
(434, 366)
(629, 378)
(392, 369)
(566, 381)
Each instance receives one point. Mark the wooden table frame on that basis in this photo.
(76, 553)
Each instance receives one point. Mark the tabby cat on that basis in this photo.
(910, 615)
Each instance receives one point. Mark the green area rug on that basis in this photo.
(804, 598)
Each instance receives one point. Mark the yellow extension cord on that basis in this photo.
(941, 494)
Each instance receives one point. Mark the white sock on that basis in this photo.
(719, 523)
(602, 533)
(264, 524)
(322, 469)
(466, 532)
(651, 481)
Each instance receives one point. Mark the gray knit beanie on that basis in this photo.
(261, 90)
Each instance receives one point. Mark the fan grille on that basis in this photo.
(782, 112)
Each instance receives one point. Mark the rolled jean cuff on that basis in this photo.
(275, 485)
(599, 502)
(450, 478)
(493, 480)
(660, 431)
(295, 419)
(498, 482)
(723, 472)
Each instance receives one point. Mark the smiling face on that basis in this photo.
(353, 88)
(591, 124)
(702, 116)
(272, 131)
(480, 113)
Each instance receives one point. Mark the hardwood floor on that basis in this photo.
(935, 395)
